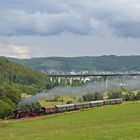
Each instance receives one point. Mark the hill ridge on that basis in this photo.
(111, 63)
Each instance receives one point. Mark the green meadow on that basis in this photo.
(116, 122)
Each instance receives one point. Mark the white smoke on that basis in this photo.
(34, 99)
(100, 87)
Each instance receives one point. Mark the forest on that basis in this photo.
(16, 79)
(110, 63)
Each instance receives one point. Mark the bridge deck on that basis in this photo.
(94, 75)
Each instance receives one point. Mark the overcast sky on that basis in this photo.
(42, 28)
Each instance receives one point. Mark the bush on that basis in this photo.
(5, 110)
(92, 96)
(69, 102)
(114, 95)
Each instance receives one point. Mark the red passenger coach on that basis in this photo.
(51, 110)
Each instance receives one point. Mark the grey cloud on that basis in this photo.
(20, 22)
(68, 44)
(49, 6)
(127, 29)
(51, 17)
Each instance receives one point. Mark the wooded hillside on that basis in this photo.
(88, 63)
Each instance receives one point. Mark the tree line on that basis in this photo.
(126, 95)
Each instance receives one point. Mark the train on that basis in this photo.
(25, 113)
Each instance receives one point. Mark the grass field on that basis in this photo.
(118, 122)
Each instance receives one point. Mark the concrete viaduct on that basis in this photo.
(104, 77)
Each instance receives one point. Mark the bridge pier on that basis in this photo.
(80, 79)
(66, 82)
(105, 82)
(102, 81)
(71, 81)
(59, 80)
(51, 79)
(85, 80)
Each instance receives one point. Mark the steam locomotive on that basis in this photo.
(22, 113)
